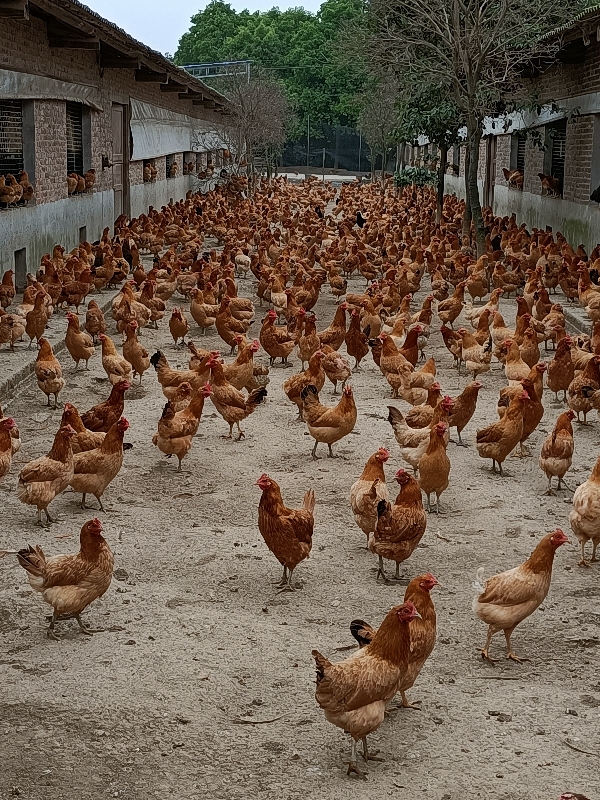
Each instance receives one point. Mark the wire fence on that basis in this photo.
(332, 147)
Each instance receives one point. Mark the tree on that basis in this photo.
(259, 119)
(295, 45)
(477, 49)
(432, 114)
(378, 121)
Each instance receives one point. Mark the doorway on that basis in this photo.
(119, 160)
(490, 171)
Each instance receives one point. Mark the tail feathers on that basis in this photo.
(310, 392)
(309, 501)
(321, 663)
(395, 416)
(479, 582)
(362, 632)
(255, 398)
(154, 359)
(33, 560)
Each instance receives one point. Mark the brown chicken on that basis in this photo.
(308, 342)
(287, 531)
(95, 323)
(532, 414)
(420, 416)
(84, 440)
(422, 631)
(176, 429)
(7, 288)
(335, 334)
(394, 366)
(80, 345)
(93, 470)
(336, 367)
(325, 424)
(227, 326)
(7, 425)
(557, 451)
(434, 466)
(578, 400)
(103, 416)
(239, 373)
(500, 438)
(231, 404)
(464, 408)
(276, 342)
(313, 374)
(134, 352)
(116, 367)
(178, 326)
(48, 371)
(450, 309)
(512, 596)
(357, 341)
(36, 319)
(41, 480)
(354, 693)
(171, 379)
(561, 370)
(70, 583)
(400, 527)
(368, 490)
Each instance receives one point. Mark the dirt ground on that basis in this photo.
(202, 685)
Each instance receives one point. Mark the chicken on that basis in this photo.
(585, 516)
(415, 441)
(230, 403)
(287, 531)
(70, 583)
(532, 414)
(515, 368)
(116, 367)
(94, 470)
(203, 314)
(7, 288)
(176, 429)
(422, 631)
(336, 367)
(557, 451)
(513, 177)
(227, 326)
(561, 370)
(308, 342)
(36, 319)
(476, 357)
(313, 374)
(579, 401)
(171, 379)
(239, 373)
(103, 416)
(325, 424)
(95, 323)
(15, 436)
(400, 527)
(84, 440)
(7, 425)
(450, 309)
(357, 341)
(354, 693)
(368, 490)
(394, 366)
(550, 184)
(463, 408)
(41, 480)
(416, 384)
(48, 371)
(500, 438)
(133, 351)
(420, 416)
(276, 342)
(510, 597)
(80, 345)
(178, 326)
(434, 466)
(335, 334)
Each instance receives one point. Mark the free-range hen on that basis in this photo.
(325, 424)
(368, 490)
(176, 429)
(287, 531)
(233, 405)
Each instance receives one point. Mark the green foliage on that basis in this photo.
(430, 113)
(299, 44)
(415, 176)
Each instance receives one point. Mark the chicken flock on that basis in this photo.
(298, 242)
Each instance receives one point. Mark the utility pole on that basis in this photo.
(323, 165)
(359, 148)
(308, 140)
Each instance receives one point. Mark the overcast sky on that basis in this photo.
(160, 24)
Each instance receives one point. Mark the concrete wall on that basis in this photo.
(159, 193)
(38, 228)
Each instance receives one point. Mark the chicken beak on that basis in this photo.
(416, 615)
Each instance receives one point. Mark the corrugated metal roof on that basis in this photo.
(581, 17)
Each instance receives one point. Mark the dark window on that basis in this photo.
(11, 137)
(517, 152)
(170, 161)
(554, 160)
(75, 138)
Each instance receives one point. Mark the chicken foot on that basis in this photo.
(381, 571)
(99, 499)
(285, 584)
(352, 765)
(369, 756)
(511, 655)
(49, 519)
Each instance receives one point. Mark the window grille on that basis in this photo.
(521, 142)
(559, 141)
(11, 137)
(74, 138)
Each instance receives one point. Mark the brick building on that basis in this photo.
(566, 144)
(76, 92)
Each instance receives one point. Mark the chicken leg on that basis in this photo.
(285, 584)
(369, 756)
(583, 562)
(485, 651)
(352, 765)
(511, 655)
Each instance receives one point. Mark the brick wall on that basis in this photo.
(50, 160)
(578, 159)
(503, 148)
(534, 163)
(482, 160)
(136, 172)
(24, 47)
(571, 80)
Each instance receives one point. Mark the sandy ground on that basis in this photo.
(202, 685)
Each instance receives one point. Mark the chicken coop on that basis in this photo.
(544, 167)
(85, 111)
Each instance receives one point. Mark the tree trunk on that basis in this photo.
(473, 140)
(440, 184)
(466, 229)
